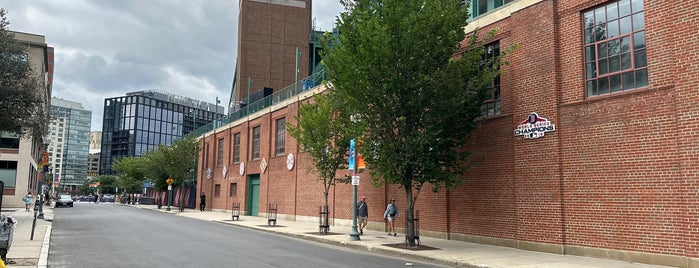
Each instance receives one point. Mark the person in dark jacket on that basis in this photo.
(202, 202)
(362, 214)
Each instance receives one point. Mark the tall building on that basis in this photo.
(588, 145)
(270, 33)
(140, 121)
(21, 158)
(93, 161)
(70, 139)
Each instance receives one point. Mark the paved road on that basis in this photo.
(108, 235)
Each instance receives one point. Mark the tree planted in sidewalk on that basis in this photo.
(407, 67)
(24, 105)
(131, 173)
(324, 129)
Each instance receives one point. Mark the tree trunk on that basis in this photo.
(409, 218)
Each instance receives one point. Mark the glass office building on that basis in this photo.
(140, 121)
(70, 139)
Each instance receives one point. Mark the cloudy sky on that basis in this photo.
(106, 48)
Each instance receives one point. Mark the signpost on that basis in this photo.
(169, 192)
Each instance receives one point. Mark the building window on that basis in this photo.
(219, 153)
(8, 173)
(491, 106)
(217, 190)
(256, 143)
(480, 7)
(9, 140)
(236, 148)
(615, 48)
(233, 190)
(279, 148)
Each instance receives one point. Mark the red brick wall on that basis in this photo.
(268, 35)
(620, 172)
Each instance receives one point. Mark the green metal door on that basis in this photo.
(253, 194)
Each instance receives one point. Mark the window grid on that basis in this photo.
(236, 148)
(219, 153)
(233, 190)
(615, 48)
(256, 143)
(217, 190)
(279, 149)
(491, 107)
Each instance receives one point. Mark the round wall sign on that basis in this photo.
(242, 168)
(290, 162)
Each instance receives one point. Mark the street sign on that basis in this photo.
(355, 180)
(169, 181)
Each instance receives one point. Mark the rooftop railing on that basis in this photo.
(276, 97)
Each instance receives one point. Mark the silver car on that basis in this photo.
(64, 200)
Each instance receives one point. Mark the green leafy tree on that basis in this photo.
(108, 184)
(23, 105)
(182, 157)
(402, 66)
(131, 172)
(84, 189)
(324, 130)
(156, 163)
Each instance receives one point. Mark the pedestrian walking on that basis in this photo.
(28, 198)
(362, 214)
(390, 215)
(202, 201)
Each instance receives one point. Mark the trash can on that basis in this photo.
(6, 229)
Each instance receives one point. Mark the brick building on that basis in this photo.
(617, 177)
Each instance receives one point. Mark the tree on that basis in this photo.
(400, 64)
(131, 171)
(324, 130)
(182, 156)
(108, 184)
(22, 106)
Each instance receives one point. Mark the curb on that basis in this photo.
(382, 251)
(44, 255)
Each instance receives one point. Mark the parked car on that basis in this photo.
(64, 200)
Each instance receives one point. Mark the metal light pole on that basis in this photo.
(354, 234)
(296, 74)
(169, 192)
(44, 171)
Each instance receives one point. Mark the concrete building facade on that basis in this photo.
(20, 158)
(590, 146)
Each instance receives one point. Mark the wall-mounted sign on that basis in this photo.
(224, 171)
(263, 165)
(242, 168)
(208, 173)
(290, 161)
(534, 127)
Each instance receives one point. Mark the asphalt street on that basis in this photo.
(107, 235)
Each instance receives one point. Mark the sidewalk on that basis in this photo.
(446, 252)
(24, 251)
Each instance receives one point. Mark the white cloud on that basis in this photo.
(104, 49)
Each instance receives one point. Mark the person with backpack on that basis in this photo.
(390, 215)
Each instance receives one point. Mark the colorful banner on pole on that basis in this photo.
(351, 155)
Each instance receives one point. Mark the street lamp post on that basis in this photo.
(354, 234)
(169, 192)
(44, 171)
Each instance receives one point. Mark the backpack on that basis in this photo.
(392, 213)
